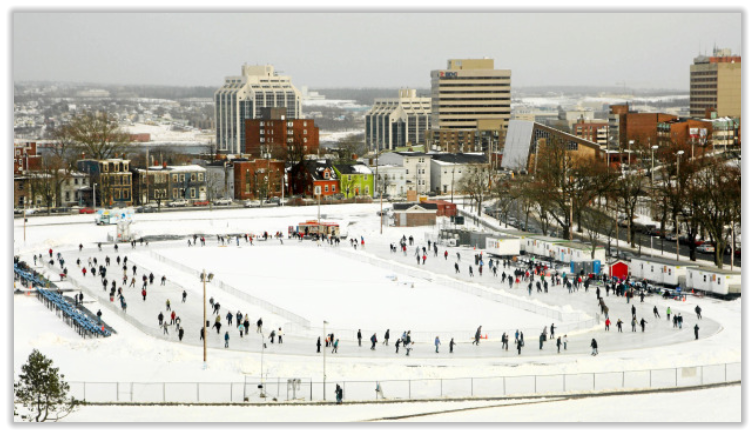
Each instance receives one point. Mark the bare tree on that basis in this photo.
(95, 134)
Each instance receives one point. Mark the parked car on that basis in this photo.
(82, 210)
(670, 236)
(202, 203)
(223, 202)
(705, 248)
(145, 209)
(178, 203)
(252, 203)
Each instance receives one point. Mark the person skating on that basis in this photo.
(451, 346)
(229, 318)
(272, 336)
(374, 340)
(165, 328)
(655, 312)
(259, 325)
(697, 329)
(456, 267)
(679, 320)
(180, 334)
(553, 330)
(471, 271)
(558, 344)
(398, 343)
(477, 335)
(387, 336)
(144, 295)
(668, 315)
(183, 296)
(335, 347)
(699, 312)
(246, 325)
(608, 324)
(642, 324)
(619, 323)
(634, 324)
(160, 318)
(227, 337)
(319, 344)
(162, 281)
(359, 337)
(339, 394)
(565, 342)
(409, 348)
(437, 344)
(519, 347)
(151, 278)
(634, 311)
(594, 346)
(280, 335)
(201, 334)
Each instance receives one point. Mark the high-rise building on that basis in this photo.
(243, 97)
(397, 122)
(715, 84)
(274, 133)
(466, 92)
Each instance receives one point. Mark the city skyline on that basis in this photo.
(319, 49)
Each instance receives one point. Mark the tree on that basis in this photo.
(95, 134)
(717, 188)
(597, 224)
(348, 147)
(42, 391)
(475, 184)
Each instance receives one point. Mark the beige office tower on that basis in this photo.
(466, 92)
(715, 84)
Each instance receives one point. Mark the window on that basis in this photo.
(705, 278)
(68, 196)
(200, 177)
(290, 140)
(175, 178)
(305, 139)
(262, 140)
(75, 181)
(349, 177)
(290, 124)
(192, 193)
(326, 188)
(175, 193)
(305, 131)
(193, 178)
(333, 187)
(126, 194)
(262, 132)
(305, 125)
(366, 190)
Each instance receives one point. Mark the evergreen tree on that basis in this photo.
(42, 391)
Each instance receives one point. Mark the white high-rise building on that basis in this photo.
(397, 122)
(243, 97)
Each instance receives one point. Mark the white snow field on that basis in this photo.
(319, 285)
(351, 290)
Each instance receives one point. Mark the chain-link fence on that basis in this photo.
(255, 390)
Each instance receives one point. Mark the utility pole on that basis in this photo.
(146, 176)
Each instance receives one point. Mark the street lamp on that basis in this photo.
(676, 217)
(629, 154)
(324, 353)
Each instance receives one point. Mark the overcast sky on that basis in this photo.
(648, 50)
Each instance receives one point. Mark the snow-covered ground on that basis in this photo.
(164, 134)
(711, 405)
(299, 279)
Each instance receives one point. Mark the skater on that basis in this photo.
(697, 329)
(679, 320)
(553, 329)
(477, 335)
(319, 344)
(668, 315)
(451, 346)
(519, 347)
(387, 336)
(183, 296)
(162, 281)
(471, 271)
(409, 348)
(373, 339)
(542, 339)
(398, 342)
(437, 344)
(456, 267)
(272, 337)
(655, 312)
(642, 324)
(565, 342)
(229, 318)
(167, 305)
(160, 318)
(699, 312)
(359, 337)
(335, 347)
(227, 337)
(280, 335)
(180, 334)
(608, 324)
(201, 334)
(144, 295)
(558, 344)
(259, 325)
(634, 324)
(619, 323)
(594, 346)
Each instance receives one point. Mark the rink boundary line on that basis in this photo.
(430, 400)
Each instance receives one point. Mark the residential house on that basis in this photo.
(167, 183)
(416, 169)
(448, 169)
(356, 179)
(110, 179)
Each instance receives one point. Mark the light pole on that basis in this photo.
(94, 198)
(204, 316)
(324, 353)
(629, 154)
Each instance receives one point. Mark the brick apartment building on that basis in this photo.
(591, 130)
(258, 179)
(274, 132)
(642, 128)
(25, 157)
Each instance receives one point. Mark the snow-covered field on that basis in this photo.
(323, 284)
